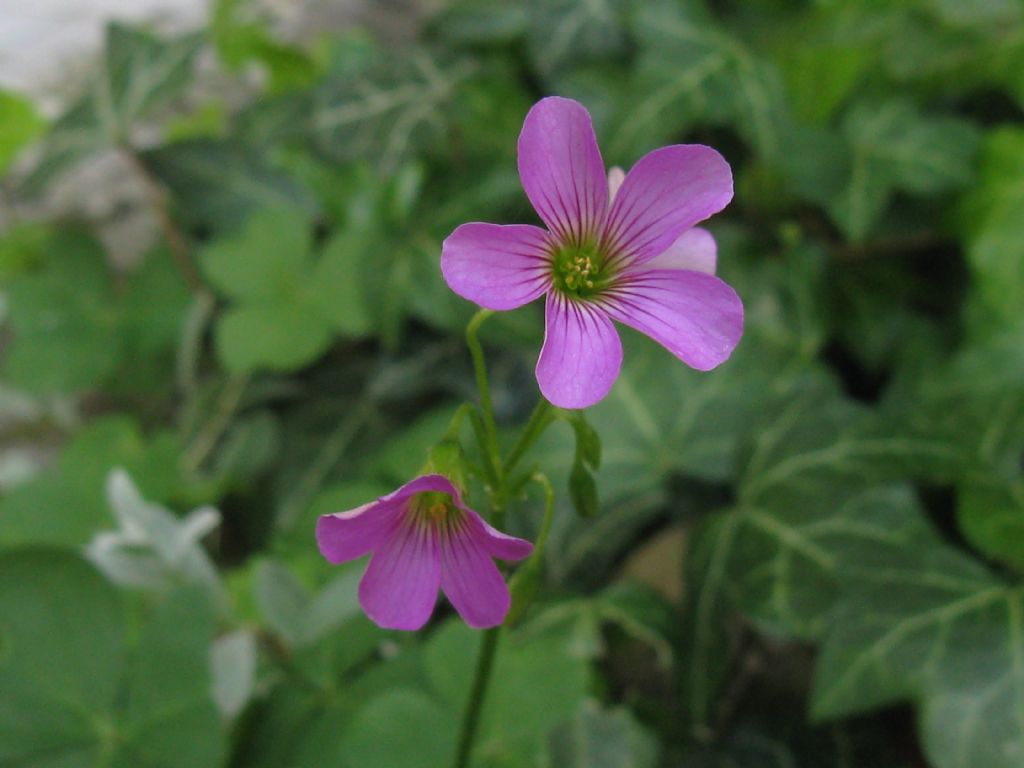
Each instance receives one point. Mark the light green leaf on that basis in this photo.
(20, 123)
(65, 505)
(64, 319)
(61, 657)
(264, 260)
(298, 616)
(170, 719)
(233, 666)
(536, 683)
(995, 251)
(275, 337)
(74, 696)
(338, 289)
(400, 729)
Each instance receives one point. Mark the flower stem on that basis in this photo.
(492, 452)
(175, 239)
(539, 420)
(481, 679)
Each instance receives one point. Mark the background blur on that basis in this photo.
(221, 315)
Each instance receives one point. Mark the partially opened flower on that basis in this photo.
(630, 253)
(423, 537)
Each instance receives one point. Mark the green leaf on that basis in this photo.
(691, 70)
(892, 146)
(339, 291)
(66, 506)
(384, 107)
(994, 249)
(400, 729)
(233, 666)
(72, 332)
(170, 718)
(597, 738)
(20, 123)
(536, 683)
(281, 317)
(217, 185)
(138, 73)
(942, 630)
(563, 33)
(64, 319)
(73, 695)
(820, 75)
(61, 657)
(583, 490)
(298, 616)
(815, 489)
(476, 22)
(991, 516)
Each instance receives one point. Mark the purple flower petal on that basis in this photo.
(497, 267)
(694, 249)
(494, 542)
(581, 356)
(561, 168)
(471, 581)
(399, 589)
(347, 535)
(697, 317)
(664, 194)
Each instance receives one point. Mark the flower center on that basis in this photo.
(577, 270)
(436, 509)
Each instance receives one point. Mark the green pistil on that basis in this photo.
(577, 270)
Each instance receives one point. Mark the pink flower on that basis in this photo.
(423, 537)
(628, 253)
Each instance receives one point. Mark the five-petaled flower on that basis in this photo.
(630, 253)
(423, 537)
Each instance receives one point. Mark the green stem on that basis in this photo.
(491, 450)
(474, 707)
(204, 443)
(539, 420)
(549, 513)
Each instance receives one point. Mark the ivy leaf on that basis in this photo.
(815, 488)
(565, 32)
(217, 185)
(692, 70)
(893, 146)
(934, 614)
(138, 73)
(995, 252)
(384, 107)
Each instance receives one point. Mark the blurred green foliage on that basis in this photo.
(850, 484)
